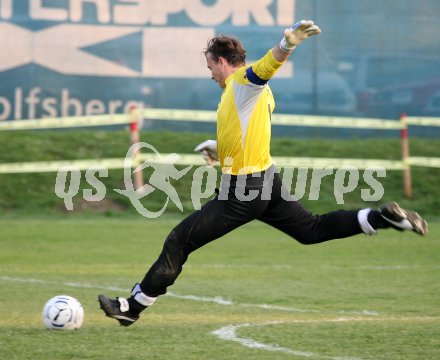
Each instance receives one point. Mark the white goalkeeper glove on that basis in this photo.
(208, 149)
(297, 33)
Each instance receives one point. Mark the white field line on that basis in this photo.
(217, 299)
(229, 333)
(397, 267)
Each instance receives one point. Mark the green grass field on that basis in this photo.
(255, 294)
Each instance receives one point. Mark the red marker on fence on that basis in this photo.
(138, 180)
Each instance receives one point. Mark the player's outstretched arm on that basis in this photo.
(294, 36)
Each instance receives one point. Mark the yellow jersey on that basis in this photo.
(243, 118)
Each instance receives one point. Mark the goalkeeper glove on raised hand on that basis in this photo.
(208, 149)
(297, 33)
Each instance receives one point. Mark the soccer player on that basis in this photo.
(250, 187)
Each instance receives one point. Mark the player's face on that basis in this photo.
(217, 70)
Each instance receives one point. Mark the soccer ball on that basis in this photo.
(63, 312)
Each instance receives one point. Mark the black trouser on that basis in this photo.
(218, 217)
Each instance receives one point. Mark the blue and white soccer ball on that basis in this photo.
(63, 312)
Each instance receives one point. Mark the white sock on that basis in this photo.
(141, 298)
(362, 216)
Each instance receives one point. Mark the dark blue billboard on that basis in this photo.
(76, 57)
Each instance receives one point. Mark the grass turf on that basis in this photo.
(358, 298)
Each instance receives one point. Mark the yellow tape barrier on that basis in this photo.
(189, 159)
(184, 159)
(296, 162)
(277, 119)
(319, 163)
(338, 122)
(178, 115)
(55, 166)
(77, 121)
(423, 121)
(424, 162)
(211, 116)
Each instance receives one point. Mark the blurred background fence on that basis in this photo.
(136, 117)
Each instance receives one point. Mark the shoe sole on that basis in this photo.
(419, 225)
(105, 306)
